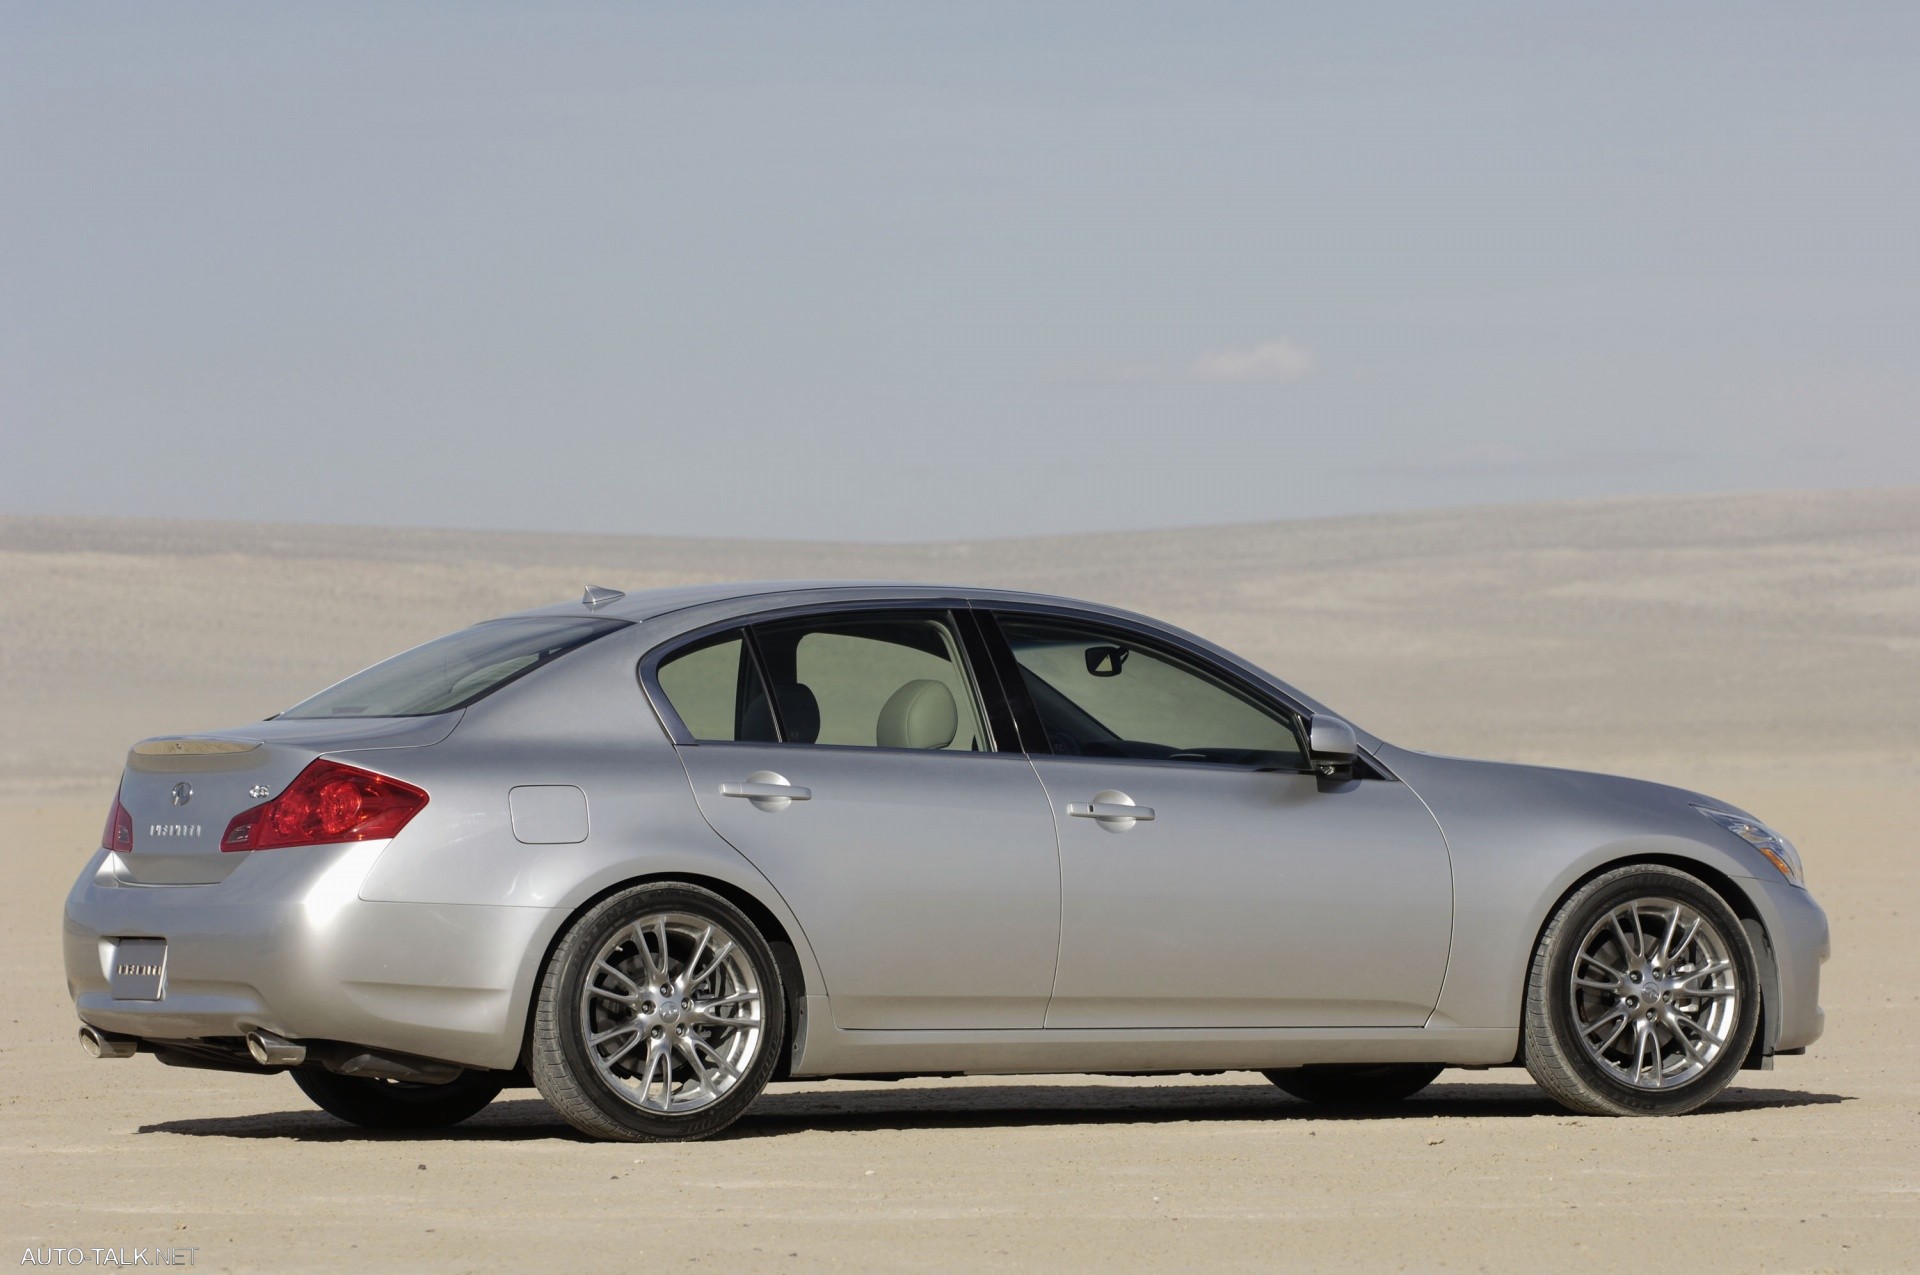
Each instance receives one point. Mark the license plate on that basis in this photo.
(139, 970)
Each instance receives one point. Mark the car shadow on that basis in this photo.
(911, 1106)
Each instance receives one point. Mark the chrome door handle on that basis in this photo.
(1114, 810)
(767, 790)
(763, 792)
(1110, 810)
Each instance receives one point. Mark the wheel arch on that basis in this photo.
(1759, 1056)
(793, 984)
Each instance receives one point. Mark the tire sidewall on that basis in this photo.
(579, 947)
(1581, 914)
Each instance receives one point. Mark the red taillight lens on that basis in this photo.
(118, 834)
(327, 802)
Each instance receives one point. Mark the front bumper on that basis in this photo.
(286, 944)
(1797, 930)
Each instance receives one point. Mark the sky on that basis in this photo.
(908, 272)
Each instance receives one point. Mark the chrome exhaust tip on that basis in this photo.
(270, 1050)
(105, 1044)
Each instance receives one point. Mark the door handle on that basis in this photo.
(1110, 810)
(1114, 810)
(767, 790)
(762, 792)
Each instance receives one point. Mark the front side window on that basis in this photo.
(1103, 693)
(454, 671)
(893, 679)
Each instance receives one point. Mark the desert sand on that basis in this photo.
(1764, 648)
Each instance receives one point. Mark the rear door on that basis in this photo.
(851, 756)
(1209, 878)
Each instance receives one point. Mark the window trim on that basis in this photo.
(958, 612)
(1028, 714)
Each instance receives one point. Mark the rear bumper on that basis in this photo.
(286, 944)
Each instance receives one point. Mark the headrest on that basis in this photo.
(920, 714)
(800, 713)
(799, 710)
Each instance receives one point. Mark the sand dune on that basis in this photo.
(1654, 635)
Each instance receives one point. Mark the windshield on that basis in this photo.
(454, 671)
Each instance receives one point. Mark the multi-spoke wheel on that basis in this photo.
(1644, 997)
(661, 1016)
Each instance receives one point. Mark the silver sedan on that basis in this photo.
(650, 852)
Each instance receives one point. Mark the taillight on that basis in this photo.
(117, 836)
(327, 802)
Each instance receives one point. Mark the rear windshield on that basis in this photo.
(454, 671)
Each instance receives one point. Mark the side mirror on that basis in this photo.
(1331, 743)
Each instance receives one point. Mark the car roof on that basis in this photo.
(648, 604)
(678, 609)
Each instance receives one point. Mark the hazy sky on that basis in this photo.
(906, 272)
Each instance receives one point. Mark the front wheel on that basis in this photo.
(661, 1016)
(1644, 996)
(1355, 1086)
(398, 1104)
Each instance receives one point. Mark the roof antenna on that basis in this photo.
(595, 595)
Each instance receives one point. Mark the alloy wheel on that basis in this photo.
(1654, 993)
(672, 1013)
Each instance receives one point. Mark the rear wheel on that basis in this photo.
(661, 1016)
(1355, 1086)
(398, 1104)
(1644, 995)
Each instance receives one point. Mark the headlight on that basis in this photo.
(1778, 850)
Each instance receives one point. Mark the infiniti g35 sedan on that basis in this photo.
(650, 852)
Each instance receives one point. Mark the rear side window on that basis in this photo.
(890, 680)
(456, 670)
(717, 692)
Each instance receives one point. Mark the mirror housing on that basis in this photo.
(1331, 743)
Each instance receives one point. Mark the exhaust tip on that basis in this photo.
(107, 1045)
(270, 1050)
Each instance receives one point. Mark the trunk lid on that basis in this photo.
(183, 790)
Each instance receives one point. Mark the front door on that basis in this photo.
(1209, 878)
(847, 756)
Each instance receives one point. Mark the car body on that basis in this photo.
(959, 888)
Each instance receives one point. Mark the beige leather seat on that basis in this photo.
(920, 714)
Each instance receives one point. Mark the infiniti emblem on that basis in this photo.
(182, 793)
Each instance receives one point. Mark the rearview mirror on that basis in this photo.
(1331, 742)
(1106, 661)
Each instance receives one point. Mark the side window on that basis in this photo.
(888, 680)
(1101, 693)
(716, 691)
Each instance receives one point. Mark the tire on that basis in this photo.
(1355, 1086)
(1661, 957)
(394, 1104)
(626, 1047)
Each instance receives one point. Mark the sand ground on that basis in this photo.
(1810, 718)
